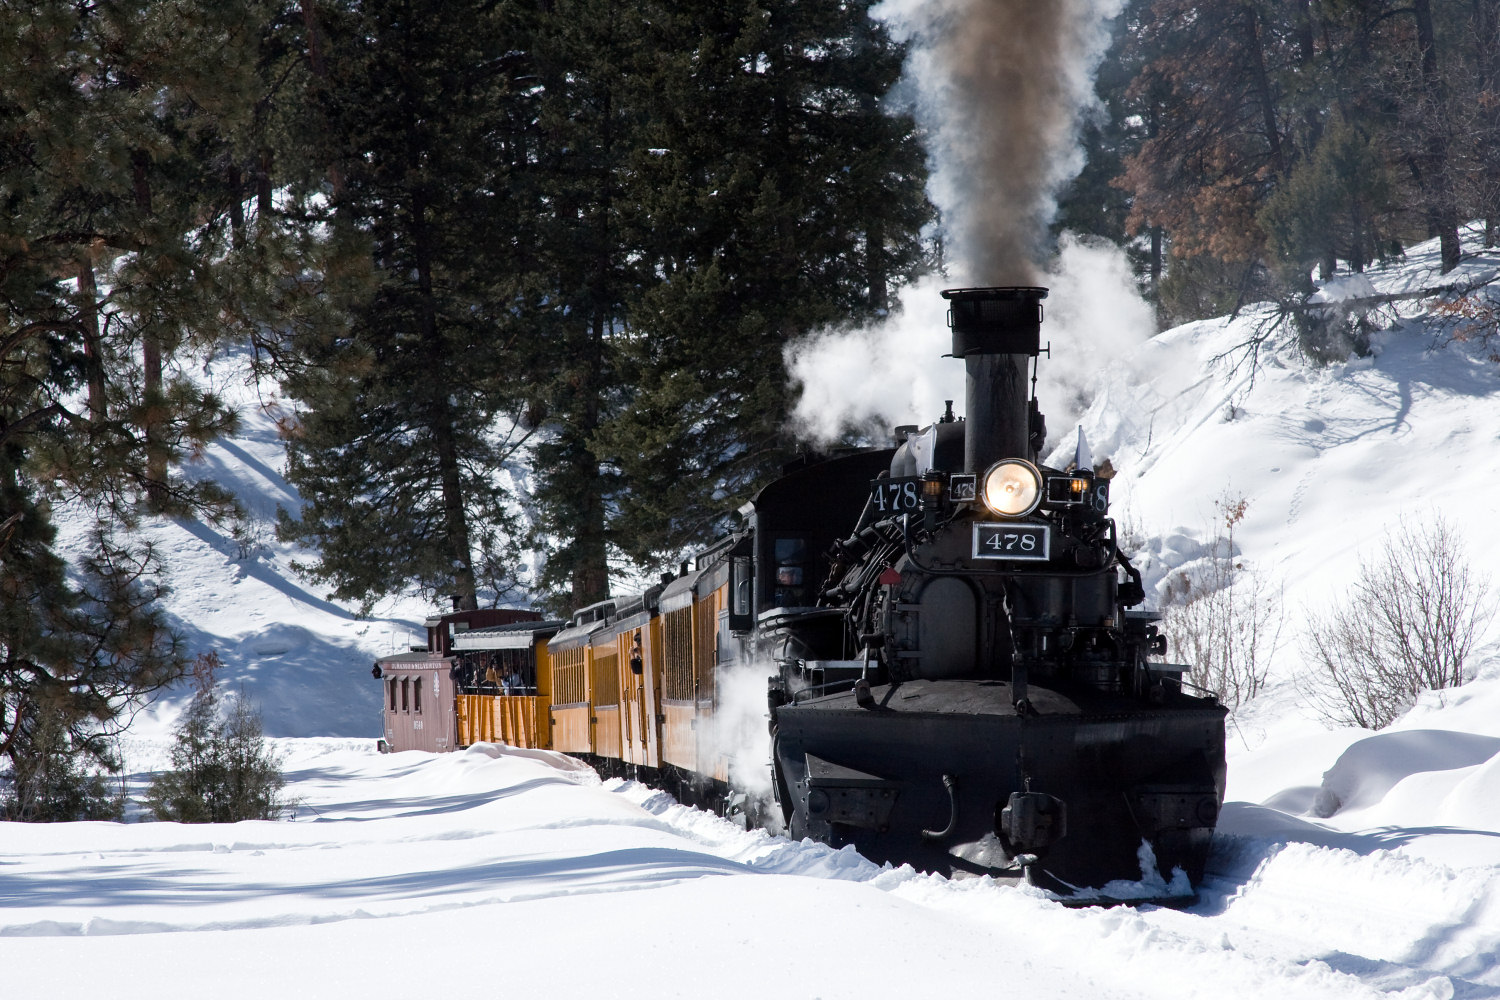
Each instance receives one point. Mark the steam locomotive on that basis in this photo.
(955, 676)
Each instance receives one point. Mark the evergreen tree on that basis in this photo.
(1091, 203)
(1435, 170)
(115, 252)
(778, 194)
(590, 59)
(1331, 206)
(600, 222)
(53, 781)
(400, 438)
(222, 770)
(1215, 75)
(1236, 116)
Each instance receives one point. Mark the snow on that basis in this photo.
(415, 872)
(1349, 863)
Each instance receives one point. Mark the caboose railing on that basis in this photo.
(516, 720)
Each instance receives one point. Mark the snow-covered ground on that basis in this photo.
(514, 873)
(1349, 862)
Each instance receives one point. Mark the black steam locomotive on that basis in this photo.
(966, 689)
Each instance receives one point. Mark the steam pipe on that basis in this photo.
(996, 331)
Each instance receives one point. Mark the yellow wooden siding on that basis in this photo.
(517, 720)
(678, 737)
(651, 709)
(606, 676)
(640, 738)
(677, 655)
(544, 668)
(570, 729)
(607, 731)
(706, 649)
(705, 642)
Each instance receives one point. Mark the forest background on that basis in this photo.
(571, 239)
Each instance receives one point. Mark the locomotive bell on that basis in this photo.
(995, 331)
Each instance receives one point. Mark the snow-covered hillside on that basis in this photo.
(517, 873)
(1329, 461)
(303, 658)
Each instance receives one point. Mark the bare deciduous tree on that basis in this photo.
(1408, 625)
(1225, 619)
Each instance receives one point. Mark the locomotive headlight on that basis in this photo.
(1012, 488)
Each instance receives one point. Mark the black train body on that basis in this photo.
(962, 685)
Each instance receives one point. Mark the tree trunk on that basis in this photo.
(154, 406)
(590, 582)
(1328, 265)
(264, 203)
(455, 518)
(88, 294)
(875, 268)
(153, 402)
(464, 589)
(1156, 257)
(1307, 57)
(1444, 212)
(236, 204)
(1262, 82)
(320, 73)
(1486, 26)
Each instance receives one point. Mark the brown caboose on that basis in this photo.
(430, 694)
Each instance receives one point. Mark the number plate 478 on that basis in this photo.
(1012, 541)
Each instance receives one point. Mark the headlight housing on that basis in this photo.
(1012, 488)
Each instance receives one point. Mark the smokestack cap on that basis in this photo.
(1004, 320)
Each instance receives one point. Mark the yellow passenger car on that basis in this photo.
(575, 684)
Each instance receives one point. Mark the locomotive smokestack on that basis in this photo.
(995, 331)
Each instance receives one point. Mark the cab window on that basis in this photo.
(793, 572)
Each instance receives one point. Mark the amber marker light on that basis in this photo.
(1012, 488)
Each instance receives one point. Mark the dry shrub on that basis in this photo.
(1225, 619)
(1408, 625)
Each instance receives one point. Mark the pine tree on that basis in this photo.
(53, 780)
(779, 195)
(1214, 75)
(622, 214)
(1091, 203)
(222, 770)
(590, 60)
(115, 252)
(1332, 205)
(399, 442)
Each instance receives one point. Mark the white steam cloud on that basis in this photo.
(894, 372)
(741, 729)
(1000, 87)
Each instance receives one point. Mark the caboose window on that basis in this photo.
(393, 694)
(416, 700)
(405, 694)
